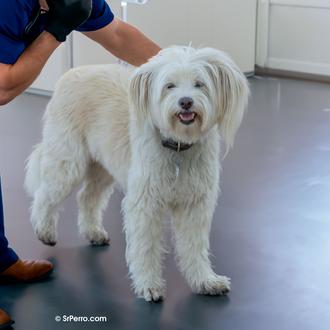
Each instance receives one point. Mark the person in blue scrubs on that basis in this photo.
(30, 31)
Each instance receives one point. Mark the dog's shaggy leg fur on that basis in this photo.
(191, 231)
(58, 177)
(92, 200)
(144, 250)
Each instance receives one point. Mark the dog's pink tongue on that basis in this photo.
(187, 116)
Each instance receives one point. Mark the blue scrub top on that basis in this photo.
(17, 31)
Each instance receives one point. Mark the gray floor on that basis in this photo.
(271, 232)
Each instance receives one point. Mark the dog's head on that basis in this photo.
(184, 92)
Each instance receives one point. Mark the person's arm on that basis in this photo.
(63, 17)
(15, 78)
(125, 42)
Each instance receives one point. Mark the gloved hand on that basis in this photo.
(66, 15)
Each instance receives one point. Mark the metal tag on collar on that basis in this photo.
(179, 147)
(177, 169)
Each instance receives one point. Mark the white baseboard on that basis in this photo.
(302, 3)
(298, 66)
(40, 92)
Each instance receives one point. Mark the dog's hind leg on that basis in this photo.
(58, 177)
(92, 200)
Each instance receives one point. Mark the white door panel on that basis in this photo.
(58, 64)
(86, 51)
(293, 35)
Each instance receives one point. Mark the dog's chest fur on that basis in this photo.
(178, 177)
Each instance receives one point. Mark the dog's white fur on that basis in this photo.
(104, 124)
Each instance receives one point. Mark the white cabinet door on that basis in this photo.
(86, 51)
(223, 24)
(58, 64)
(293, 35)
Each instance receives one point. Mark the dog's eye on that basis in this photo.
(170, 86)
(199, 84)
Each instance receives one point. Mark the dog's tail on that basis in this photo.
(32, 169)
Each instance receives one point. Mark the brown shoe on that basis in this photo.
(5, 320)
(27, 271)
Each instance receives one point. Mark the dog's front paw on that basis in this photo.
(151, 294)
(215, 285)
(46, 235)
(97, 236)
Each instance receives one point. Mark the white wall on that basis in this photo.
(223, 24)
(293, 35)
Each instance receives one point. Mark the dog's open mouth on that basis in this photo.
(187, 117)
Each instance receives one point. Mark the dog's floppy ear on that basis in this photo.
(232, 91)
(139, 91)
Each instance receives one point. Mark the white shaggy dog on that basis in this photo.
(156, 132)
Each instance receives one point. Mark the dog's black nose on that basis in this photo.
(186, 103)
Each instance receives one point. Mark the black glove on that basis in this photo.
(66, 15)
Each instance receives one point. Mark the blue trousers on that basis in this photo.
(7, 255)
